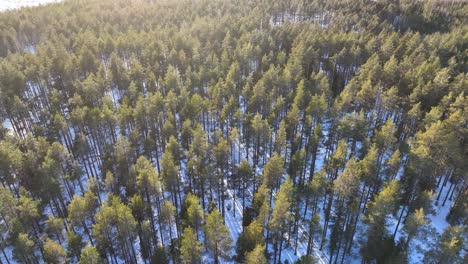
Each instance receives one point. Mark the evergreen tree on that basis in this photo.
(306, 259)
(363, 104)
(191, 248)
(448, 246)
(75, 244)
(23, 249)
(160, 256)
(168, 216)
(217, 237)
(378, 242)
(191, 213)
(245, 174)
(248, 239)
(314, 229)
(115, 223)
(54, 252)
(256, 256)
(273, 171)
(170, 175)
(281, 216)
(89, 255)
(55, 228)
(79, 213)
(415, 223)
(148, 183)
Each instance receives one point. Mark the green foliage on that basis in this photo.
(54, 252)
(23, 249)
(89, 255)
(448, 246)
(248, 239)
(75, 244)
(168, 213)
(273, 171)
(379, 243)
(79, 211)
(160, 256)
(307, 259)
(363, 102)
(115, 223)
(244, 170)
(192, 213)
(347, 183)
(256, 256)
(281, 216)
(147, 178)
(190, 248)
(415, 222)
(217, 238)
(169, 170)
(384, 203)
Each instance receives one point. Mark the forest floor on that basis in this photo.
(234, 216)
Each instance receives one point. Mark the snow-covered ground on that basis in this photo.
(14, 4)
(289, 254)
(7, 124)
(291, 251)
(437, 223)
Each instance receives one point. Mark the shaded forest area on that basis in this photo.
(236, 131)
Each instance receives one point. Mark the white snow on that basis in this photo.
(438, 219)
(14, 4)
(7, 124)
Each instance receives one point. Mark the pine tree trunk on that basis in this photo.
(447, 195)
(88, 233)
(398, 223)
(280, 249)
(5, 255)
(158, 204)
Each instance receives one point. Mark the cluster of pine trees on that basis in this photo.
(330, 129)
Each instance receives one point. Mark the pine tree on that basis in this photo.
(273, 171)
(79, 213)
(261, 130)
(221, 154)
(55, 228)
(168, 215)
(191, 248)
(89, 255)
(23, 249)
(111, 183)
(169, 174)
(248, 239)
(316, 189)
(137, 207)
(280, 140)
(191, 213)
(149, 186)
(54, 252)
(378, 240)
(448, 247)
(281, 216)
(217, 237)
(265, 81)
(415, 224)
(346, 187)
(115, 223)
(256, 256)
(245, 174)
(314, 229)
(75, 244)
(160, 256)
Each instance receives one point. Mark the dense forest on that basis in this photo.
(234, 131)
